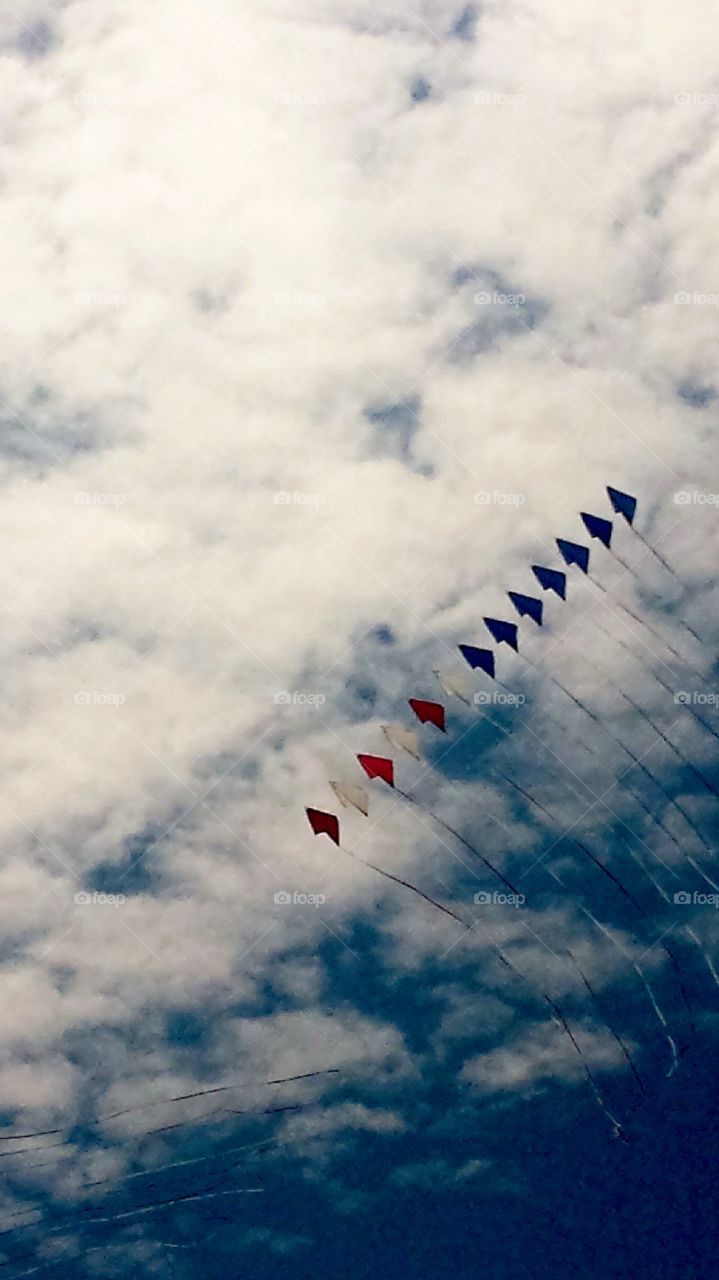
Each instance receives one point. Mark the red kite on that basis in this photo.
(378, 767)
(324, 824)
(432, 712)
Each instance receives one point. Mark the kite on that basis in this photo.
(324, 824)
(598, 528)
(503, 632)
(351, 796)
(378, 767)
(574, 553)
(455, 684)
(623, 503)
(428, 712)
(527, 606)
(478, 659)
(551, 580)
(403, 739)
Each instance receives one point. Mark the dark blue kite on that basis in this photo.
(527, 606)
(478, 659)
(503, 632)
(598, 528)
(551, 580)
(623, 503)
(574, 553)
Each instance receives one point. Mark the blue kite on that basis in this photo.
(623, 503)
(503, 632)
(551, 580)
(598, 528)
(574, 553)
(478, 659)
(527, 606)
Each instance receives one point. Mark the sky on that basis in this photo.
(320, 322)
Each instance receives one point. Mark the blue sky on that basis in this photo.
(321, 321)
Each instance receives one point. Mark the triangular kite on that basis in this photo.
(503, 632)
(623, 503)
(350, 795)
(551, 580)
(574, 553)
(527, 606)
(478, 659)
(428, 712)
(597, 527)
(404, 739)
(378, 767)
(324, 824)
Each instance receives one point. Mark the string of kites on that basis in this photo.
(429, 712)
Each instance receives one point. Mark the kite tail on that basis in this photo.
(697, 772)
(398, 880)
(643, 623)
(671, 799)
(663, 894)
(644, 981)
(658, 556)
(556, 1013)
(688, 929)
(451, 830)
(625, 1051)
(560, 1021)
(597, 862)
(565, 732)
(670, 1039)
